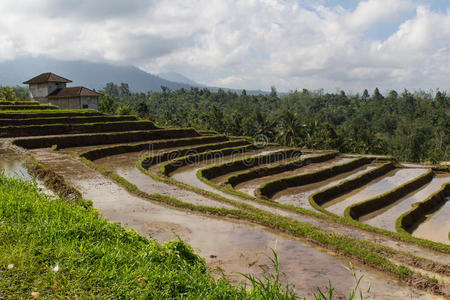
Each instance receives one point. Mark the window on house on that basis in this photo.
(85, 106)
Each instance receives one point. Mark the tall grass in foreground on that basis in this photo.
(52, 248)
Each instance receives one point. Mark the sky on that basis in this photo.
(253, 44)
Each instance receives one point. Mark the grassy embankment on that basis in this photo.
(59, 248)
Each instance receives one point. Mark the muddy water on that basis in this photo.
(125, 165)
(11, 162)
(230, 246)
(299, 196)
(188, 175)
(436, 227)
(390, 181)
(12, 165)
(237, 246)
(250, 186)
(75, 170)
(386, 217)
(221, 179)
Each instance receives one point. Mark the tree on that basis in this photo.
(124, 110)
(106, 104)
(289, 129)
(142, 109)
(112, 89)
(7, 94)
(124, 89)
(377, 95)
(365, 95)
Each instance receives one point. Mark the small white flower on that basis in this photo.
(10, 266)
(56, 268)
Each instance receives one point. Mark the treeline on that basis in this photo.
(13, 93)
(410, 126)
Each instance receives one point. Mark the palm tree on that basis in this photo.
(290, 129)
(264, 126)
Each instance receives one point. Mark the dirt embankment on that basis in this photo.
(64, 120)
(53, 129)
(49, 114)
(360, 209)
(103, 138)
(271, 188)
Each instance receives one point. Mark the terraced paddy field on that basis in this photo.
(234, 201)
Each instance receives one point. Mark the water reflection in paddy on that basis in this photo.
(386, 217)
(392, 180)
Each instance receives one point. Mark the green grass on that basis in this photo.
(49, 111)
(60, 249)
(27, 107)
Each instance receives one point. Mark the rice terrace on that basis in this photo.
(297, 221)
(225, 149)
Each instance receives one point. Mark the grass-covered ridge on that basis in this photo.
(53, 129)
(28, 107)
(270, 188)
(92, 139)
(24, 114)
(247, 175)
(60, 249)
(149, 146)
(64, 120)
(359, 209)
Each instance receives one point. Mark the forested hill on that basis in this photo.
(90, 74)
(410, 126)
(94, 75)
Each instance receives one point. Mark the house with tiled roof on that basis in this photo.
(49, 88)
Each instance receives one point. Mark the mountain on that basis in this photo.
(96, 75)
(93, 75)
(177, 77)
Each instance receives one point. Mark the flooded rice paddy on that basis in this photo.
(386, 217)
(436, 227)
(382, 185)
(227, 245)
(299, 196)
(231, 246)
(250, 186)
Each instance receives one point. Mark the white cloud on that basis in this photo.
(244, 44)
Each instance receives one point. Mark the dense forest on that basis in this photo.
(410, 126)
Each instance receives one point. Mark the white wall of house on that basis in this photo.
(75, 102)
(66, 103)
(53, 86)
(39, 92)
(89, 102)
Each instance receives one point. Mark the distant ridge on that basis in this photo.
(95, 75)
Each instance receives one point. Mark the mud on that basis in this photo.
(78, 140)
(12, 165)
(299, 196)
(264, 162)
(380, 186)
(188, 176)
(231, 246)
(436, 227)
(386, 218)
(250, 186)
(125, 166)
